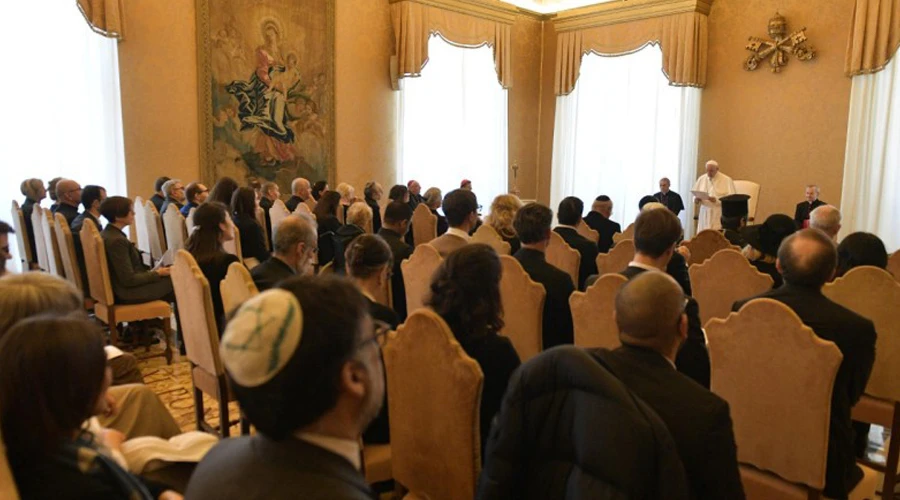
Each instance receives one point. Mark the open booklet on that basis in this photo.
(166, 260)
(146, 454)
(700, 195)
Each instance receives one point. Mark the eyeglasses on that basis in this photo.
(379, 330)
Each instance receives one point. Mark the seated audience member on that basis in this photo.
(348, 197)
(223, 190)
(318, 188)
(415, 196)
(396, 224)
(326, 212)
(465, 291)
(300, 192)
(461, 209)
(91, 198)
(373, 193)
(34, 192)
(532, 224)
(433, 199)
(359, 216)
(735, 209)
(763, 241)
(175, 195)
(5, 254)
(861, 249)
(196, 195)
(51, 192)
(807, 260)
(826, 219)
(54, 377)
(212, 229)
(269, 193)
(309, 406)
(670, 199)
(293, 253)
(466, 185)
(599, 220)
(503, 212)
(805, 207)
(569, 216)
(132, 281)
(68, 197)
(399, 192)
(159, 196)
(243, 213)
(645, 200)
(652, 327)
(256, 186)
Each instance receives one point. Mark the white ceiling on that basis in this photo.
(550, 6)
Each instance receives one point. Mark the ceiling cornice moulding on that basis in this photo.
(624, 11)
(493, 10)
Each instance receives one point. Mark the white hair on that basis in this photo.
(827, 219)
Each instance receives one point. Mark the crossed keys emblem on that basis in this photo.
(778, 49)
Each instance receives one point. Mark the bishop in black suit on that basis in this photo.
(805, 207)
(670, 199)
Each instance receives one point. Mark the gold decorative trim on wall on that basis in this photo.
(605, 14)
(491, 10)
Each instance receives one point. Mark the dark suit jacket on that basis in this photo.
(604, 226)
(329, 224)
(27, 209)
(266, 204)
(557, 322)
(376, 214)
(677, 269)
(132, 281)
(215, 270)
(186, 209)
(586, 248)
(270, 272)
(293, 202)
(401, 251)
(855, 337)
(442, 224)
(379, 431)
(258, 468)
(801, 213)
(158, 201)
(342, 239)
(693, 358)
(734, 237)
(671, 200)
(165, 206)
(770, 269)
(253, 243)
(699, 421)
(68, 211)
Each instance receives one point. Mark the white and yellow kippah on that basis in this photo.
(262, 337)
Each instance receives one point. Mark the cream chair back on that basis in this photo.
(96, 264)
(627, 234)
(189, 221)
(140, 224)
(586, 231)
(489, 236)
(434, 394)
(67, 254)
(40, 242)
(417, 272)
(751, 189)
(724, 279)
(777, 376)
(562, 256)
(893, 266)
(233, 246)
(154, 230)
(424, 225)
(277, 213)
(176, 230)
(237, 287)
(195, 310)
(22, 240)
(51, 244)
(523, 308)
(706, 244)
(592, 313)
(617, 259)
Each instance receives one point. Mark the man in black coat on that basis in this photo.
(807, 260)
(805, 207)
(670, 199)
(394, 227)
(532, 224)
(653, 325)
(68, 196)
(598, 220)
(300, 192)
(415, 194)
(569, 216)
(373, 193)
(159, 197)
(292, 253)
(269, 193)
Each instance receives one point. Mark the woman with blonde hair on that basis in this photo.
(433, 199)
(34, 191)
(348, 196)
(503, 212)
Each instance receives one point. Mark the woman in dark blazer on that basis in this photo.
(212, 227)
(243, 213)
(326, 212)
(465, 291)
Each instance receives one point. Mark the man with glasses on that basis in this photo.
(68, 195)
(174, 190)
(195, 194)
(305, 364)
(293, 253)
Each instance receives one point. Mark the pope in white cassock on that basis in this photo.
(716, 185)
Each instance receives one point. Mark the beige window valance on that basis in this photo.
(106, 17)
(679, 27)
(467, 23)
(874, 36)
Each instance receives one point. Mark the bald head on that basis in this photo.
(68, 192)
(650, 312)
(827, 219)
(291, 232)
(300, 187)
(807, 258)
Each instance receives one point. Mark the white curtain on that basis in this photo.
(621, 130)
(872, 162)
(453, 122)
(61, 103)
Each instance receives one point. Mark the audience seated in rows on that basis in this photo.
(212, 228)
(175, 195)
(34, 192)
(133, 282)
(808, 260)
(396, 225)
(309, 406)
(465, 292)
(159, 196)
(223, 190)
(532, 224)
(763, 242)
(54, 377)
(653, 325)
(503, 213)
(569, 217)
(243, 213)
(326, 213)
(433, 199)
(373, 193)
(294, 253)
(300, 192)
(461, 209)
(195, 195)
(68, 196)
(599, 220)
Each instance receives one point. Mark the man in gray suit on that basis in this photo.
(461, 209)
(306, 368)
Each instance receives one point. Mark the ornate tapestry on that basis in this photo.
(266, 83)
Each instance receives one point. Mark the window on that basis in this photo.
(62, 106)
(621, 130)
(453, 122)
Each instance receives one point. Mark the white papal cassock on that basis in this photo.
(710, 216)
